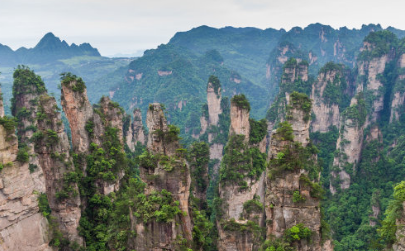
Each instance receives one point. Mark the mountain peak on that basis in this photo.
(50, 41)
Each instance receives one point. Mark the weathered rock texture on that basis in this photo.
(42, 173)
(78, 111)
(294, 71)
(214, 98)
(348, 145)
(356, 118)
(282, 212)
(1, 104)
(234, 196)
(326, 109)
(239, 121)
(399, 95)
(89, 125)
(371, 69)
(155, 235)
(135, 132)
(53, 150)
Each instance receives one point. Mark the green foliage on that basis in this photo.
(89, 127)
(9, 124)
(297, 233)
(284, 131)
(173, 134)
(357, 112)
(216, 84)
(199, 158)
(202, 230)
(253, 205)
(241, 161)
(68, 78)
(326, 143)
(23, 155)
(303, 102)
(295, 157)
(214, 55)
(381, 44)
(43, 205)
(148, 160)
(297, 197)
(233, 226)
(331, 67)
(392, 214)
(258, 130)
(32, 167)
(276, 245)
(25, 82)
(241, 101)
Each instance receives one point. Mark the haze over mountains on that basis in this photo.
(247, 60)
(286, 141)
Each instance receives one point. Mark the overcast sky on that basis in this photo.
(127, 26)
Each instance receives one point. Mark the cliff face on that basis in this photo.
(292, 192)
(326, 104)
(136, 130)
(295, 73)
(19, 198)
(241, 185)
(78, 111)
(169, 173)
(295, 69)
(39, 173)
(356, 118)
(214, 102)
(370, 69)
(239, 121)
(92, 127)
(398, 93)
(52, 147)
(214, 121)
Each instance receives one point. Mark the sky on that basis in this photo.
(131, 26)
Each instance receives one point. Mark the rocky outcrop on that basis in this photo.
(136, 131)
(214, 102)
(78, 110)
(53, 150)
(294, 69)
(171, 173)
(211, 121)
(396, 104)
(137, 128)
(239, 120)
(1, 104)
(326, 105)
(398, 96)
(299, 117)
(19, 191)
(371, 69)
(92, 124)
(241, 196)
(356, 118)
(349, 143)
(292, 195)
(39, 171)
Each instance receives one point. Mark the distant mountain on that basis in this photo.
(49, 49)
(52, 56)
(176, 74)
